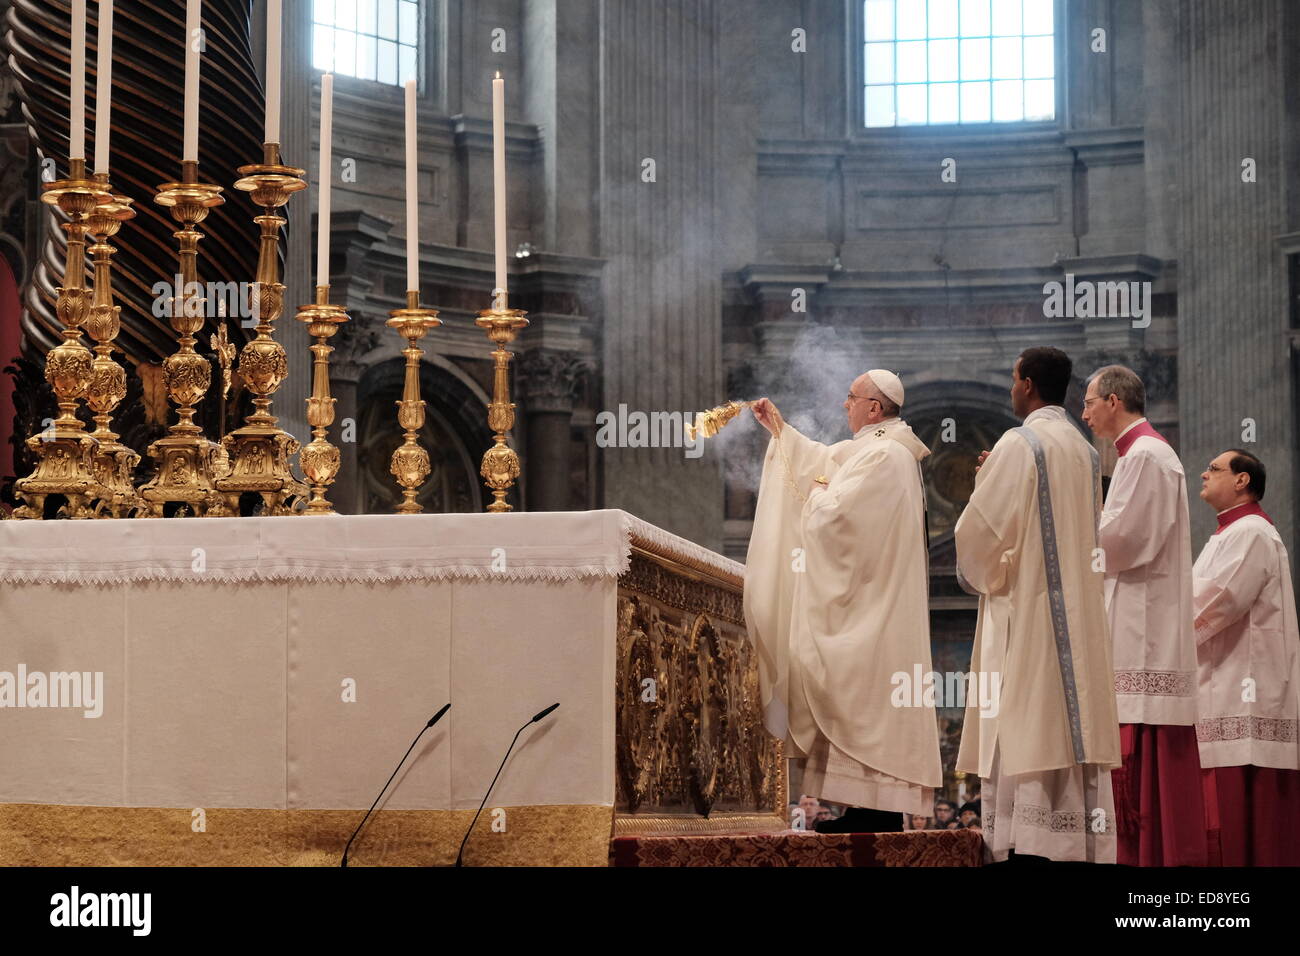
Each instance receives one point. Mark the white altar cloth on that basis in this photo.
(227, 647)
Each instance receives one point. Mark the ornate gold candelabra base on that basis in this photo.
(260, 451)
(410, 462)
(64, 450)
(320, 459)
(188, 463)
(114, 463)
(500, 462)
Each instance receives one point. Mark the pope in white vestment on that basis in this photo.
(1025, 544)
(836, 601)
(1249, 648)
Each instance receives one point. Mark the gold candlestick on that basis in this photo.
(410, 462)
(320, 459)
(260, 450)
(500, 462)
(186, 459)
(114, 462)
(65, 451)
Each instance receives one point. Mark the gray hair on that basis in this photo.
(1124, 384)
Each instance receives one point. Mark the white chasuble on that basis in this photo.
(1248, 644)
(1147, 538)
(1027, 544)
(836, 602)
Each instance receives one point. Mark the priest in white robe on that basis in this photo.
(1249, 649)
(1147, 539)
(1025, 545)
(836, 602)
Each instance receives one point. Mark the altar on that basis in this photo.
(235, 691)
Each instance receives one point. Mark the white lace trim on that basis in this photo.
(270, 573)
(535, 550)
(674, 545)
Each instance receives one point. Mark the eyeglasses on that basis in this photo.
(851, 397)
(1216, 468)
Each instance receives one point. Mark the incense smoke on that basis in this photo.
(808, 388)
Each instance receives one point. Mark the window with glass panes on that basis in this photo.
(370, 39)
(928, 62)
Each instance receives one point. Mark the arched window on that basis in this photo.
(369, 39)
(930, 62)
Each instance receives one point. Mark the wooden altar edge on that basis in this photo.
(62, 835)
(681, 563)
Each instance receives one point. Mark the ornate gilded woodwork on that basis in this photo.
(689, 733)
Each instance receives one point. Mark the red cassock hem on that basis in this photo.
(1251, 816)
(1159, 797)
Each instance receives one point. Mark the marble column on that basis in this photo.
(547, 382)
(662, 82)
(1234, 363)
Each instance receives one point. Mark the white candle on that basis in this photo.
(77, 85)
(412, 195)
(272, 134)
(499, 174)
(325, 174)
(104, 86)
(193, 17)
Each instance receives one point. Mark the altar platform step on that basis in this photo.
(796, 848)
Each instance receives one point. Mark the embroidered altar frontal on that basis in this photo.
(234, 691)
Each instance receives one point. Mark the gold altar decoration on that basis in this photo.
(225, 351)
(61, 835)
(500, 465)
(692, 754)
(260, 450)
(114, 462)
(410, 462)
(707, 424)
(64, 450)
(186, 460)
(320, 459)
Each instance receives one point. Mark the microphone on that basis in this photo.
(461, 852)
(432, 720)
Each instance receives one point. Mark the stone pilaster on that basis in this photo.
(547, 382)
(1234, 362)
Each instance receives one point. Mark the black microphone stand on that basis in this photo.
(432, 720)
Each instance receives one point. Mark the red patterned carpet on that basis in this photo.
(792, 848)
